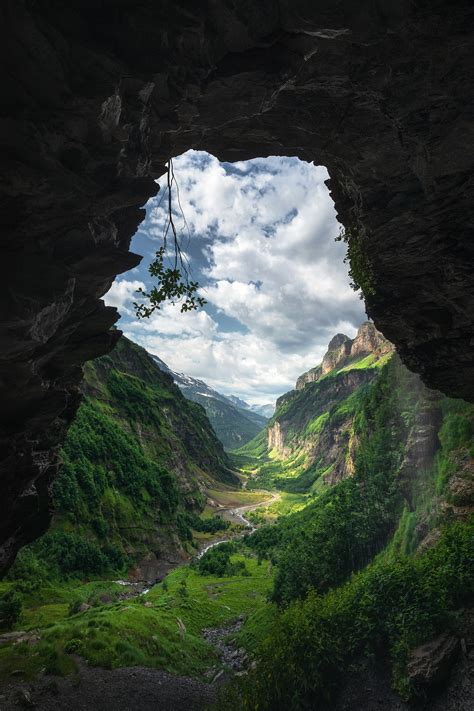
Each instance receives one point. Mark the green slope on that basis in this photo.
(403, 517)
(232, 425)
(136, 463)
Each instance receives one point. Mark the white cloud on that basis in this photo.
(262, 245)
(169, 321)
(234, 363)
(122, 294)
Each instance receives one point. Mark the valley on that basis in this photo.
(344, 529)
(237, 364)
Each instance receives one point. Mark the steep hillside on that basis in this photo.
(310, 438)
(410, 460)
(233, 420)
(136, 462)
(379, 564)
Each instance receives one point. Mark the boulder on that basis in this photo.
(431, 662)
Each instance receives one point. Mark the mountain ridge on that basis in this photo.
(342, 349)
(234, 423)
(138, 459)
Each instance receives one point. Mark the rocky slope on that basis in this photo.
(232, 419)
(341, 350)
(97, 96)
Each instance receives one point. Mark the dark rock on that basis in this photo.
(342, 349)
(223, 639)
(97, 96)
(432, 662)
(24, 699)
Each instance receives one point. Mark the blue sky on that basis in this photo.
(260, 240)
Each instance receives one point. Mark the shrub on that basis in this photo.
(216, 561)
(187, 521)
(11, 604)
(69, 554)
(74, 646)
(390, 607)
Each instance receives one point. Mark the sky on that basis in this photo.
(260, 240)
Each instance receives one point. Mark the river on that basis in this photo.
(236, 514)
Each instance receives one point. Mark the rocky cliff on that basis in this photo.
(95, 97)
(313, 424)
(341, 350)
(332, 427)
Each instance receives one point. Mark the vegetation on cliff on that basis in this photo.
(386, 610)
(135, 465)
(401, 515)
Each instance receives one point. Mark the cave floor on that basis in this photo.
(128, 689)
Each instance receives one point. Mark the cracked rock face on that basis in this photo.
(97, 96)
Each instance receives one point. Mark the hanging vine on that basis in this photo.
(173, 282)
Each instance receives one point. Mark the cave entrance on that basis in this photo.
(260, 238)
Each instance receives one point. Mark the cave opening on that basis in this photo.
(262, 240)
(374, 462)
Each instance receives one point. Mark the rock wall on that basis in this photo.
(331, 447)
(97, 96)
(288, 433)
(342, 349)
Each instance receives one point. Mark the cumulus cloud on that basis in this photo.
(259, 236)
(122, 294)
(168, 321)
(233, 363)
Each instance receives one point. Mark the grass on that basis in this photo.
(275, 473)
(161, 629)
(316, 425)
(287, 504)
(230, 497)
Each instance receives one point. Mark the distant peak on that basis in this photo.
(342, 349)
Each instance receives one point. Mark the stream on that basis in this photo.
(236, 516)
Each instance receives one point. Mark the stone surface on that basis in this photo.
(97, 96)
(342, 349)
(432, 662)
(118, 689)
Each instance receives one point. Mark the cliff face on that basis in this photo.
(320, 434)
(342, 349)
(97, 96)
(315, 421)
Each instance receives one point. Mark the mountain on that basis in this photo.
(239, 402)
(342, 350)
(266, 410)
(310, 429)
(313, 441)
(137, 459)
(233, 420)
